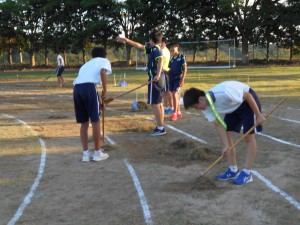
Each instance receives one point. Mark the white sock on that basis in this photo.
(86, 152)
(160, 127)
(247, 171)
(233, 168)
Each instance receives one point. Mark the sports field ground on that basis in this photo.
(147, 180)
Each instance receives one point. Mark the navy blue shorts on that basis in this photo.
(243, 116)
(155, 91)
(174, 82)
(60, 70)
(86, 103)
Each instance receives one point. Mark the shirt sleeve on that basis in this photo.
(208, 113)
(107, 66)
(157, 53)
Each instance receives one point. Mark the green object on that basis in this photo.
(213, 107)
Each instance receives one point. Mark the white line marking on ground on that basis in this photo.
(138, 186)
(186, 134)
(182, 132)
(36, 182)
(293, 108)
(293, 121)
(290, 199)
(279, 140)
(261, 177)
(110, 140)
(146, 211)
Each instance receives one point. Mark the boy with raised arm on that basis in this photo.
(155, 77)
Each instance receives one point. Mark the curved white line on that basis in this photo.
(137, 184)
(293, 121)
(279, 140)
(36, 182)
(290, 199)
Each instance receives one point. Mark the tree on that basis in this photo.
(269, 25)
(246, 14)
(290, 26)
(8, 20)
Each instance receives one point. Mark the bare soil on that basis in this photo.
(169, 167)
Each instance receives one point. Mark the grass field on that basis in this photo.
(37, 123)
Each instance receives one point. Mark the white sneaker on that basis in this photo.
(99, 155)
(85, 158)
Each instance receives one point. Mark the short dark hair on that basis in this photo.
(191, 97)
(56, 51)
(98, 52)
(164, 39)
(156, 36)
(174, 44)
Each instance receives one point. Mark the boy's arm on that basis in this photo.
(103, 81)
(223, 136)
(260, 119)
(131, 42)
(183, 74)
(159, 69)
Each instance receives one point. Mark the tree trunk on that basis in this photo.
(10, 61)
(21, 55)
(217, 52)
(9, 58)
(128, 53)
(46, 56)
(268, 51)
(245, 57)
(32, 59)
(65, 57)
(291, 54)
(83, 55)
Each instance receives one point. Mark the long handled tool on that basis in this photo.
(236, 143)
(103, 136)
(106, 101)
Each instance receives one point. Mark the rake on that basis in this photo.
(236, 143)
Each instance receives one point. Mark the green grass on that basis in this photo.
(267, 81)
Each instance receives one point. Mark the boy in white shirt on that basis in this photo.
(60, 69)
(87, 102)
(241, 107)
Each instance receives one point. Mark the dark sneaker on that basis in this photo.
(158, 132)
(243, 178)
(227, 175)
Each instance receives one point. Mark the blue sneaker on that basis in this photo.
(168, 111)
(227, 175)
(243, 178)
(158, 132)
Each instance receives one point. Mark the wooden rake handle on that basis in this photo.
(236, 143)
(106, 101)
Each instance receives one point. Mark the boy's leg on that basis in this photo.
(175, 101)
(96, 135)
(84, 135)
(158, 111)
(232, 153)
(251, 151)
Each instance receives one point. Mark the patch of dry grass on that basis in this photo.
(128, 123)
(16, 139)
(187, 150)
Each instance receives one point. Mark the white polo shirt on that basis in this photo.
(90, 71)
(229, 96)
(60, 60)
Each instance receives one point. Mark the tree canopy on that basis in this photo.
(74, 25)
